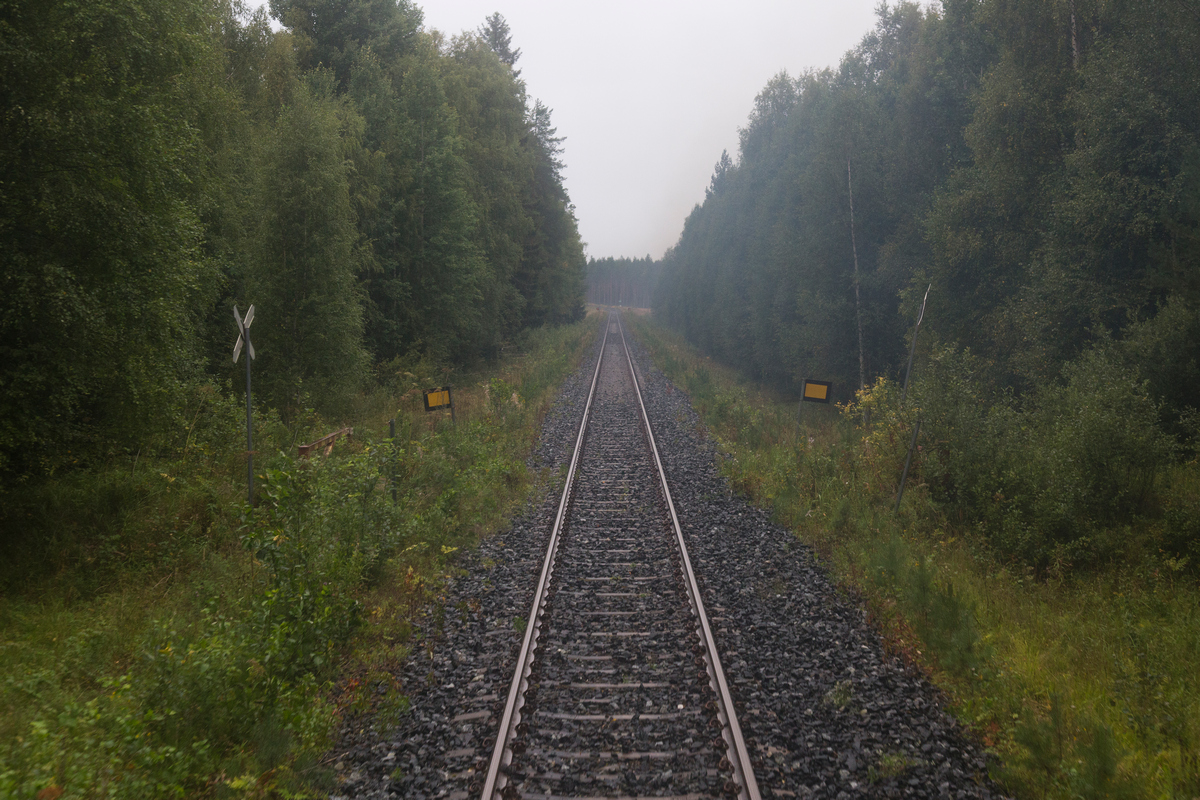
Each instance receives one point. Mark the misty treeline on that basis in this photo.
(379, 192)
(622, 281)
(1038, 163)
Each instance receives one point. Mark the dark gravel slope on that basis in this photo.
(827, 713)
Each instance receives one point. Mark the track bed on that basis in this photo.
(825, 711)
(620, 698)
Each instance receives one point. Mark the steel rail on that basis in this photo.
(738, 754)
(501, 753)
(736, 751)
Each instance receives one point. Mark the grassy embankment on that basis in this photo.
(1083, 680)
(159, 638)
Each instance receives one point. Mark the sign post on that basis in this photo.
(243, 326)
(814, 392)
(437, 399)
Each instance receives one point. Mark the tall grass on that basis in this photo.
(162, 638)
(1081, 676)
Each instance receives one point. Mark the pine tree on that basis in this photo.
(496, 34)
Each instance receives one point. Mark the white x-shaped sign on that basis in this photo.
(243, 331)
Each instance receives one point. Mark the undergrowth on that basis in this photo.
(163, 638)
(1062, 620)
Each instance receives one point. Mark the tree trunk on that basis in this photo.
(1074, 38)
(862, 380)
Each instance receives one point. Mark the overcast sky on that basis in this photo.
(648, 92)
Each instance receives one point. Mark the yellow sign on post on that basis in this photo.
(437, 399)
(816, 391)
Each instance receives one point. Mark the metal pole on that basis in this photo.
(799, 412)
(913, 349)
(392, 471)
(904, 396)
(249, 426)
(907, 461)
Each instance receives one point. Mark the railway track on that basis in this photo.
(618, 689)
(827, 712)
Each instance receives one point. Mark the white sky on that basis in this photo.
(648, 92)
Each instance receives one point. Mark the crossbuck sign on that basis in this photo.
(243, 326)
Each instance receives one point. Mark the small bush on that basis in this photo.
(1181, 530)
(1042, 479)
(1163, 350)
(940, 616)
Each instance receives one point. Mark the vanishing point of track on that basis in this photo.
(618, 690)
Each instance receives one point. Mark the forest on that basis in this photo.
(1036, 163)
(380, 193)
(622, 281)
(390, 201)
(1034, 167)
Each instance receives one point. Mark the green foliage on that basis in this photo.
(763, 274)
(334, 35)
(308, 314)
(371, 189)
(1034, 162)
(114, 748)
(102, 280)
(1043, 482)
(1099, 776)
(496, 33)
(424, 286)
(945, 622)
(1083, 683)
(471, 233)
(1044, 741)
(227, 672)
(623, 281)
(1160, 348)
(553, 274)
(92, 528)
(1181, 530)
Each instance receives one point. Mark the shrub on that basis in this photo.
(1163, 349)
(1042, 479)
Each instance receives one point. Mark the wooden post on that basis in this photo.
(249, 435)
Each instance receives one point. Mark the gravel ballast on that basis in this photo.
(826, 712)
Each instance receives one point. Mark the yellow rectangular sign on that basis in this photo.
(436, 399)
(816, 391)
